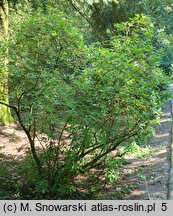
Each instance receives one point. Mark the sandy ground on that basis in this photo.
(13, 142)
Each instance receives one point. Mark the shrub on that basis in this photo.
(80, 102)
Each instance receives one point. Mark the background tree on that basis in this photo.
(5, 116)
(161, 12)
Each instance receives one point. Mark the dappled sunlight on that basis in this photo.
(162, 135)
(165, 120)
(14, 142)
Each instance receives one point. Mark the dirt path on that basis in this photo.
(155, 168)
(13, 142)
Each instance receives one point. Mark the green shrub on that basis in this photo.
(80, 103)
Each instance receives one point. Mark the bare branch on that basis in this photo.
(78, 10)
(8, 105)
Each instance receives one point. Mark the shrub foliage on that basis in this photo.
(80, 103)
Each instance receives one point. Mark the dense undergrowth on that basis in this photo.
(20, 181)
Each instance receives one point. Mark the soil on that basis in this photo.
(13, 142)
(154, 170)
(131, 185)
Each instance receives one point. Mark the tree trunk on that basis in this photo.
(5, 115)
